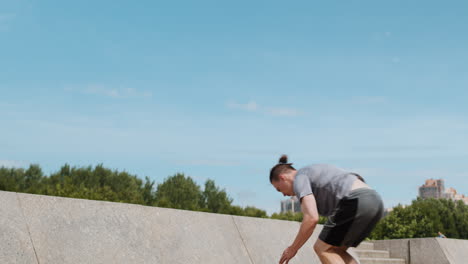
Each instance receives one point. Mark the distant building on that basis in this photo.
(291, 205)
(451, 193)
(436, 189)
(433, 189)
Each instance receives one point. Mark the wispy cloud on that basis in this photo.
(399, 148)
(101, 90)
(4, 17)
(396, 59)
(13, 163)
(368, 99)
(220, 163)
(382, 35)
(5, 21)
(246, 194)
(252, 106)
(282, 111)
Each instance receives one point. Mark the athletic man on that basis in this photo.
(352, 207)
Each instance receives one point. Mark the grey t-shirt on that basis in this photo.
(327, 183)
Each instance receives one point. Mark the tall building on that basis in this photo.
(436, 189)
(433, 189)
(291, 205)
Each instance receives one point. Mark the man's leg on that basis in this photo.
(329, 254)
(346, 256)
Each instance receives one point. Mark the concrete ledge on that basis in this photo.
(455, 250)
(266, 239)
(82, 231)
(426, 250)
(15, 242)
(47, 229)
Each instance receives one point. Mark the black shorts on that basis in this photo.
(353, 219)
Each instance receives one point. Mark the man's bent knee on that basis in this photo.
(320, 247)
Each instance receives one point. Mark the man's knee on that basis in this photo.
(321, 247)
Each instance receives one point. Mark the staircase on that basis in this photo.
(368, 255)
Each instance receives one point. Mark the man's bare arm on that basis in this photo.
(309, 221)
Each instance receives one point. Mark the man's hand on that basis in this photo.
(288, 254)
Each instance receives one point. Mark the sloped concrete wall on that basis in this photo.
(46, 229)
(266, 239)
(455, 250)
(15, 242)
(83, 231)
(426, 250)
(398, 248)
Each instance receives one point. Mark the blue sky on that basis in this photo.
(220, 89)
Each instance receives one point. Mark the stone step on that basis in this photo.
(366, 246)
(381, 261)
(372, 253)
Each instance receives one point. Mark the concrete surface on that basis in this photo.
(82, 231)
(15, 242)
(398, 248)
(455, 250)
(65, 230)
(426, 250)
(267, 239)
(45, 229)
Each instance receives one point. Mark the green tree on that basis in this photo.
(149, 195)
(254, 212)
(424, 218)
(12, 179)
(33, 178)
(99, 183)
(236, 210)
(214, 199)
(179, 192)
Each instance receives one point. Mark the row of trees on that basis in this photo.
(99, 183)
(424, 218)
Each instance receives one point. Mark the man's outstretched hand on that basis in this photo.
(288, 254)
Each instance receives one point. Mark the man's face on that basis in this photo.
(283, 186)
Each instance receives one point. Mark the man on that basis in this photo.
(352, 207)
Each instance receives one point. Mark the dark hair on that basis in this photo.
(282, 167)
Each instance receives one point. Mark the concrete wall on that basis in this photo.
(455, 250)
(15, 241)
(426, 250)
(45, 229)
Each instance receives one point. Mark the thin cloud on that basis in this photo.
(13, 163)
(102, 90)
(246, 194)
(368, 99)
(283, 111)
(5, 17)
(252, 106)
(399, 148)
(218, 163)
(381, 36)
(5, 20)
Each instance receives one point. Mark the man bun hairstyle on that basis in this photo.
(283, 159)
(282, 167)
